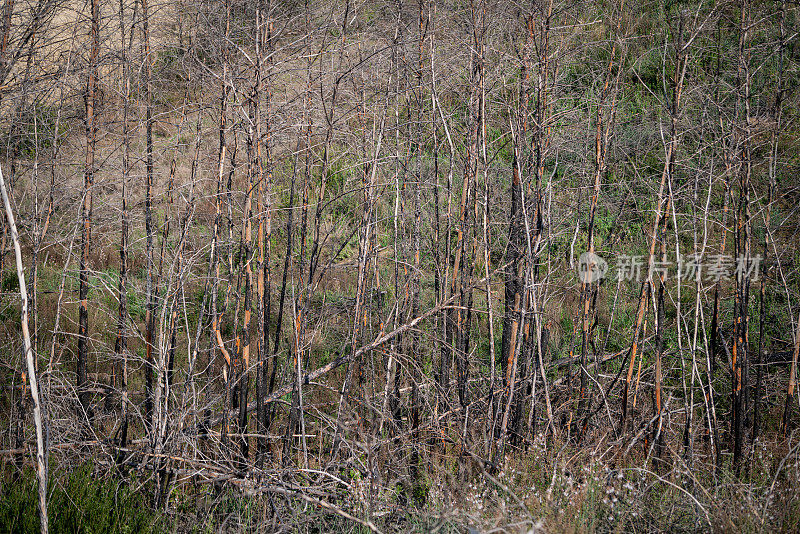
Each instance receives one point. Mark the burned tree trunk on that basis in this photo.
(86, 208)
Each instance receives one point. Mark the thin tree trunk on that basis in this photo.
(603, 134)
(39, 416)
(121, 342)
(263, 44)
(790, 390)
(742, 237)
(773, 164)
(150, 289)
(86, 209)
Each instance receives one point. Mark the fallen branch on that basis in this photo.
(344, 358)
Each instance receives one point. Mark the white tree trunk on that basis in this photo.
(41, 466)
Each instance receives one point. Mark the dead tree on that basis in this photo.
(777, 117)
(39, 416)
(742, 246)
(86, 207)
(604, 131)
(263, 45)
(151, 290)
(121, 342)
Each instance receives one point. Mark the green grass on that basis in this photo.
(78, 501)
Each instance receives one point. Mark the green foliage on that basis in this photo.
(167, 61)
(10, 281)
(500, 144)
(34, 130)
(420, 492)
(77, 502)
(49, 279)
(136, 305)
